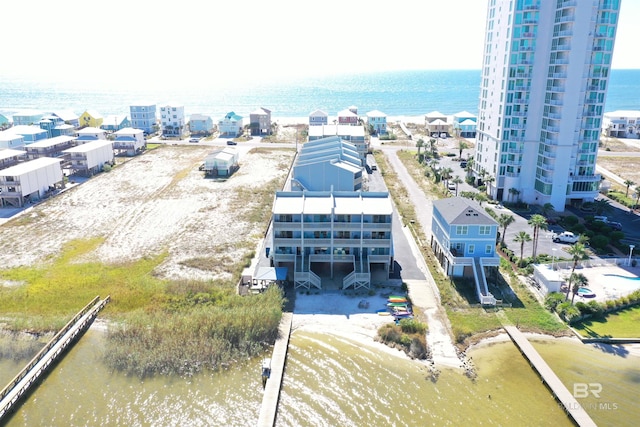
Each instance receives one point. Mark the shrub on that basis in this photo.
(413, 326)
(571, 220)
(552, 300)
(599, 241)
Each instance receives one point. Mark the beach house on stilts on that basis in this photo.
(463, 238)
(316, 233)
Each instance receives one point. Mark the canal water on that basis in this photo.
(332, 381)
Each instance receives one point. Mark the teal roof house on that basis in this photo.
(230, 125)
(463, 238)
(465, 124)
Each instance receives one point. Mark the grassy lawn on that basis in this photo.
(621, 324)
(467, 319)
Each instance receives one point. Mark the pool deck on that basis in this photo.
(573, 408)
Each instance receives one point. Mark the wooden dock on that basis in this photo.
(572, 407)
(269, 408)
(31, 373)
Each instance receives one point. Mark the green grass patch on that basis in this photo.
(53, 292)
(466, 320)
(159, 326)
(470, 321)
(624, 323)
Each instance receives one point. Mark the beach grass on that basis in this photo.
(618, 324)
(152, 318)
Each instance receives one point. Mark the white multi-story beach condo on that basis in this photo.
(172, 120)
(545, 75)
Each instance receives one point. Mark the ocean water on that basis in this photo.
(395, 93)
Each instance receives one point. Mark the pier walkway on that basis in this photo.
(575, 411)
(269, 408)
(22, 382)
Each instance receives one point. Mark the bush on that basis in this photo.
(552, 300)
(599, 241)
(413, 326)
(571, 220)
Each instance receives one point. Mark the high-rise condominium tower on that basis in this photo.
(545, 75)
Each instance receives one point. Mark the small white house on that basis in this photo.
(10, 139)
(129, 141)
(221, 162)
(91, 134)
(30, 181)
(89, 159)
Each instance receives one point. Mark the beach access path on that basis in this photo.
(424, 293)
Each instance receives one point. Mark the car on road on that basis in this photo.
(194, 139)
(230, 142)
(451, 186)
(615, 225)
(374, 167)
(463, 164)
(565, 237)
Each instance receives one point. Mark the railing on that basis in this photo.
(93, 305)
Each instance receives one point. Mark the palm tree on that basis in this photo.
(488, 182)
(578, 252)
(579, 280)
(432, 144)
(462, 145)
(637, 196)
(601, 206)
(505, 220)
(445, 175)
(514, 192)
(457, 180)
(538, 222)
(547, 208)
(469, 167)
(522, 237)
(628, 183)
(481, 197)
(419, 144)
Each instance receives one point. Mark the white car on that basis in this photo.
(451, 186)
(565, 237)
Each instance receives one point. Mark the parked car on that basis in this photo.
(230, 142)
(565, 237)
(451, 186)
(463, 164)
(374, 167)
(194, 139)
(615, 225)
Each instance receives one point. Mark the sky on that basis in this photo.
(189, 41)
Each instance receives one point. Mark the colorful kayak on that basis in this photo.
(397, 304)
(394, 298)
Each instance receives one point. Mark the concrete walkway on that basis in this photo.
(271, 396)
(425, 293)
